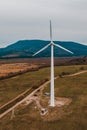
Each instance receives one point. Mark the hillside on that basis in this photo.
(25, 48)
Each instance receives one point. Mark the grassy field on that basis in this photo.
(10, 88)
(72, 117)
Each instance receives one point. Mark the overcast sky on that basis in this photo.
(29, 19)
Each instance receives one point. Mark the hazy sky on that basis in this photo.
(29, 19)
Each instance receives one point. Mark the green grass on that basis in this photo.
(75, 115)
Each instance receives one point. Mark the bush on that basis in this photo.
(82, 68)
(64, 73)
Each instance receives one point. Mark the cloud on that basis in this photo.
(28, 19)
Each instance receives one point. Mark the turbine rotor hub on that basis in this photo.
(52, 43)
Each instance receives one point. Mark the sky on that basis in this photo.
(29, 19)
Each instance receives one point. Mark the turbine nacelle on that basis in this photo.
(52, 43)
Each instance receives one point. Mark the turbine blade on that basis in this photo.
(50, 31)
(63, 48)
(41, 49)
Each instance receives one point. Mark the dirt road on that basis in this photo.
(78, 73)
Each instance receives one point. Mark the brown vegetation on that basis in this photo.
(13, 69)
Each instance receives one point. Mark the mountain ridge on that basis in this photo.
(26, 48)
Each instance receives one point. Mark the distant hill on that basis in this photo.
(25, 49)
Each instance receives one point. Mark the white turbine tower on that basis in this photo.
(52, 44)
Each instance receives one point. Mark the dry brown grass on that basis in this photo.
(5, 69)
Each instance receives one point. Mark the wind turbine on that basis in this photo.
(52, 44)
